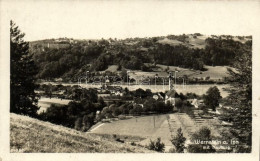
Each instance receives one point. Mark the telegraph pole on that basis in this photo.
(175, 78)
(170, 81)
(87, 73)
(156, 76)
(153, 121)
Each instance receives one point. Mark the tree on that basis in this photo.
(240, 99)
(197, 147)
(87, 121)
(23, 99)
(156, 145)
(78, 124)
(178, 103)
(179, 141)
(212, 97)
(124, 75)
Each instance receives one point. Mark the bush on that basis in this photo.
(156, 145)
(202, 135)
(116, 112)
(178, 141)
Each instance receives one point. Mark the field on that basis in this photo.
(149, 127)
(30, 135)
(198, 42)
(214, 72)
(45, 103)
(170, 42)
(112, 68)
(163, 126)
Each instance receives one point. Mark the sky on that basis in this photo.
(121, 19)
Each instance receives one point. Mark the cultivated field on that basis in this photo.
(33, 136)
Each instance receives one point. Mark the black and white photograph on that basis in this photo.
(130, 77)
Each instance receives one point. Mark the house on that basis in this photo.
(196, 103)
(103, 95)
(170, 97)
(119, 93)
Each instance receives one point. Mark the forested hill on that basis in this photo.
(68, 58)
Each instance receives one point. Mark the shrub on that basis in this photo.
(156, 145)
(202, 135)
(178, 141)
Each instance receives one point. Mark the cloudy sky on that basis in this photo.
(121, 19)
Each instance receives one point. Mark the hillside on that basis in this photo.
(215, 73)
(33, 136)
(69, 59)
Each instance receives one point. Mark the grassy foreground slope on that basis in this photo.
(32, 135)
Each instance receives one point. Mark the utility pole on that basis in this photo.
(127, 77)
(170, 81)
(87, 77)
(156, 76)
(183, 83)
(153, 121)
(175, 78)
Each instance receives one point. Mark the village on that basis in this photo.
(186, 111)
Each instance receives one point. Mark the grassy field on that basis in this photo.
(45, 103)
(148, 127)
(112, 68)
(165, 127)
(198, 42)
(170, 42)
(214, 72)
(28, 135)
(139, 126)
